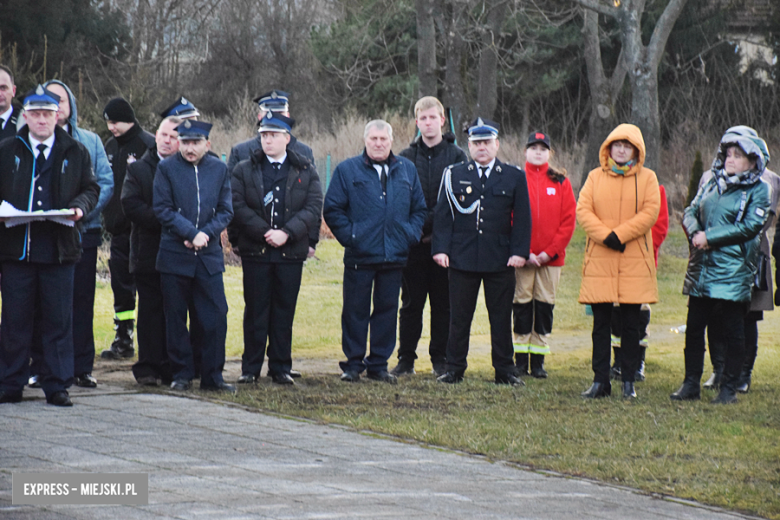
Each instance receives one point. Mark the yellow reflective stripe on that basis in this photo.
(125, 315)
(538, 349)
(521, 347)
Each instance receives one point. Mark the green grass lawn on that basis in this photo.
(722, 455)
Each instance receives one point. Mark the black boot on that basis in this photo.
(597, 391)
(727, 395)
(616, 372)
(628, 390)
(689, 391)
(521, 364)
(713, 383)
(640, 372)
(537, 366)
(743, 386)
(122, 346)
(403, 368)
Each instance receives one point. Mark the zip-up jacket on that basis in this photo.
(121, 151)
(188, 199)
(100, 165)
(553, 212)
(73, 185)
(431, 163)
(137, 198)
(302, 208)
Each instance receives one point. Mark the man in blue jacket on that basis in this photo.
(375, 208)
(192, 201)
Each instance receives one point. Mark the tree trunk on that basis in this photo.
(487, 87)
(644, 112)
(426, 48)
(454, 95)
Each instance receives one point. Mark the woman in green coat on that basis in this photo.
(723, 224)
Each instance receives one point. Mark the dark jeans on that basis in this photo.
(26, 286)
(499, 293)
(629, 340)
(122, 282)
(150, 329)
(729, 317)
(357, 316)
(207, 292)
(270, 295)
(423, 279)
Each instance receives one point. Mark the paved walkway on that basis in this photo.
(210, 461)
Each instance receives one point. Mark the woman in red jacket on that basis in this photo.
(553, 219)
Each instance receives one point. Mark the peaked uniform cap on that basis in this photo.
(182, 108)
(274, 101)
(191, 130)
(483, 129)
(41, 99)
(275, 122)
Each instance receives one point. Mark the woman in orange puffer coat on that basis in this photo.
(618, 205)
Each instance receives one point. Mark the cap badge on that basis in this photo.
(269, 115)
(187, 124)
(274, 95)
(480, 122)
(184, 101)
(39, 90)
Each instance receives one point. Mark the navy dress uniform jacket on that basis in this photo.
(73, 186)
(190, 198)
(484, 240)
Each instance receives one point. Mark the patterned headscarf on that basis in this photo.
(748, 141)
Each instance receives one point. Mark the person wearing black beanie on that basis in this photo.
(128, 144)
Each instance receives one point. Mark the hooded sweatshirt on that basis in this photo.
(627, 204)
(97, 154)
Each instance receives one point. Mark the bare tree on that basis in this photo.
(426, 47)
(487, 82)
(642, 62)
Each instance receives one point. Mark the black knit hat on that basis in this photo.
(119, 110)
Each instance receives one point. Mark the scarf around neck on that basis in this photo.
(620, 170)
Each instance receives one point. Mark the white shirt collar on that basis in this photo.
(489, 168)
(7, 116)
(48, 142)
(279, 161)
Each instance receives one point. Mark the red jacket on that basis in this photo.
(661, 226)
(553, 211)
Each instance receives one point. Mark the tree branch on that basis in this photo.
(595, 5)
(662, 31)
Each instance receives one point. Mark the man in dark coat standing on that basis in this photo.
(42, 168)
(375, 208)
(9, 114)
(137, 203)
(128, 144)
(192, 201)
(423, 279)
(481, 232)
(277, 200)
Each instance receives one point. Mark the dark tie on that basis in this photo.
(483, 175)
(384, 178)
(40, 159)
(277, 166)
(2, 122)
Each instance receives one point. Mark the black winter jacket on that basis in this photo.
(431, 163)
(75, 186)
(121, 152)
(302, 201)
(137, 199)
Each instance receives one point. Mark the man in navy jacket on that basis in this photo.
(375, 208)
(192, 201)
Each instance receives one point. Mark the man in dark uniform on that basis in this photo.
(42, 168)
(128, 144)
(423, 279)
(9, 114)
(481, 232)
(137, 203)
(375, 208)
(192, 201)
(277, 199)
(278, 102)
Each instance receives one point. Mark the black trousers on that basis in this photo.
(270, 296)
(729, 317)
(361, 288)
(150, 329)
(26, 286)
(207, 292)
(122, 282)
(717, 343)
(423, 279)
(629, 340)
(499, 293)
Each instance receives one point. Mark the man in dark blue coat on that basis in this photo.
(481, 232)
(9, 114)
(375, 208)
(277, 199)
(192, 201)
(42, 168)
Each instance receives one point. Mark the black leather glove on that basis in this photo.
(613, 242)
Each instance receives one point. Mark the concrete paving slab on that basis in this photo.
(210, 460)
